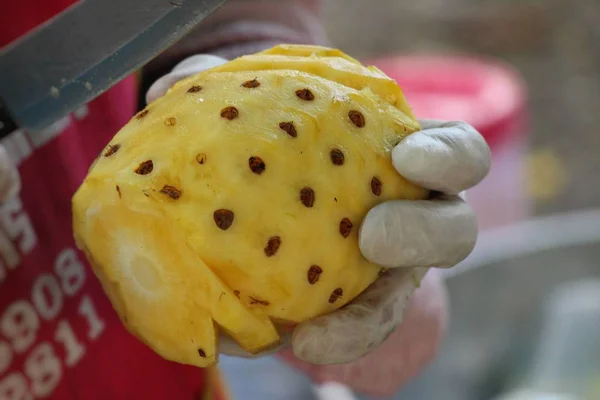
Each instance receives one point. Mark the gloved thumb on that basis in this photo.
(10, 180)
(190, 66)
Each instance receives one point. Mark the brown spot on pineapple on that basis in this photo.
(272, 246)
(223, 218)
(337, 157)
(305, 94)
(194, 89)
(111, 149)
(201, 353)
(254, 300)
(336, 294)
(201, 158)
(345, 227)
(376, 186)
(229, 113)
(145, 168)
(357, 118)
(307, 197)
(257, 165)
(252, 84)
(119, 191)
(142, 114)
(171, 191)
(237, 293)
(171, 121)
(314, 272)
(289, 128)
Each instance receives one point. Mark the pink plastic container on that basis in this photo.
(490, 96)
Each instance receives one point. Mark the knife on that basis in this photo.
(85, 50)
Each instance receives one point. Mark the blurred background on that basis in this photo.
(525, 307)
(553, 44)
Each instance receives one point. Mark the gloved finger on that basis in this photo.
(430, 233)
(448, 157)
(410, 348)
(354, 330)
(190, 66)
(10, 180)
(230, 347)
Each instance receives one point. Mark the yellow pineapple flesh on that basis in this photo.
(232, 204)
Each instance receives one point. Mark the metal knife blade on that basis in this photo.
(85, 50)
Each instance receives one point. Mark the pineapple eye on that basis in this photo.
(171, 121)
(141, 114)
(252, 84)
(229, 113)
(313, 274)
(305, 94)
(194, 89)
(272, 246)
(376, 186)
(200, 158)
(223, 218)
(357, 118)
(337, 157)
(111, 149)
(336, 294)
(289, 128)
(257, 165)
(201, 353)
(145, 168)
(171, 191)
(307, 197)
(345, 227)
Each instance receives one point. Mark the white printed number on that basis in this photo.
(14, 387)
(17, 225)
(46, 296)
(21, 321)
(43, 369)
(70, 271)
(20, 324)
(73, 349)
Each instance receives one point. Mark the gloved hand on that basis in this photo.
(408, 237)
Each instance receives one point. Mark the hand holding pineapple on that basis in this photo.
(234, 205)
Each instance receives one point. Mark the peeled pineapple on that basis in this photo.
(232, 204)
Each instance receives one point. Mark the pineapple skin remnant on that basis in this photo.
(233, 203)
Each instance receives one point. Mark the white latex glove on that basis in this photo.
(190, 66)
(408, 237)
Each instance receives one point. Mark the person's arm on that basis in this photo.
(242, 27)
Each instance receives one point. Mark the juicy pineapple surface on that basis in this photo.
(234, 202)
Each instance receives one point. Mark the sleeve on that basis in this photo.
(243, 27)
